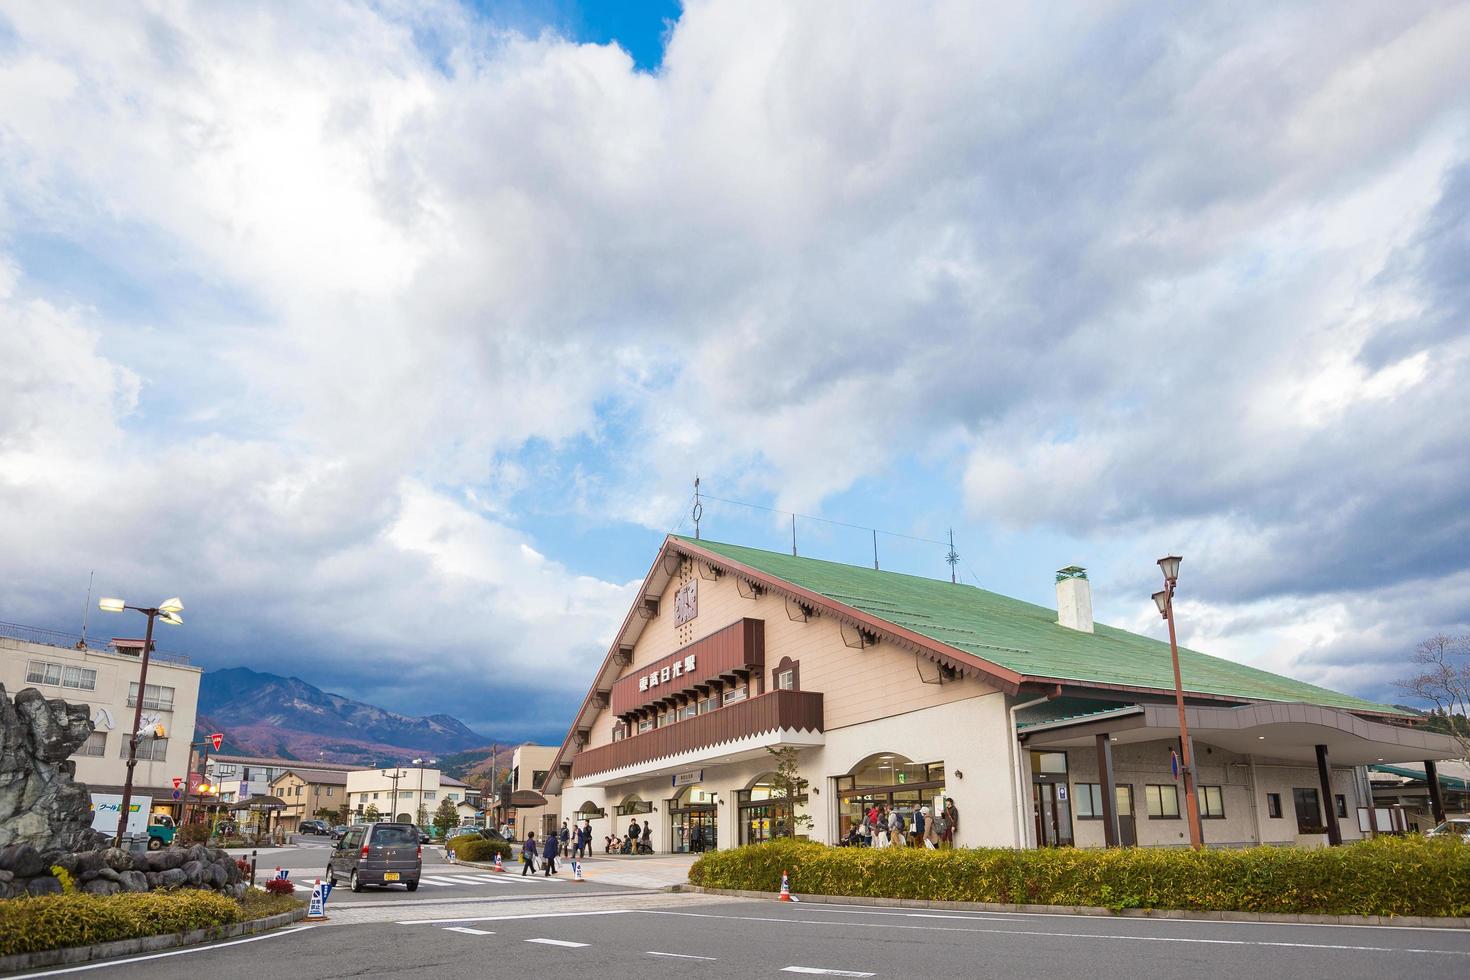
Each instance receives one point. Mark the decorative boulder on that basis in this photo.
(43, 886)
(41, 804)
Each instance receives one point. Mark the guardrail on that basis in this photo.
(74, 641)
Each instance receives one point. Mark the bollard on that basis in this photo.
(252, 869)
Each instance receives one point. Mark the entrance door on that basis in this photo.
(1053, 815)
(1127, 828)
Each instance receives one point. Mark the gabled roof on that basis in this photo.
(321, 777)
(1026, 638)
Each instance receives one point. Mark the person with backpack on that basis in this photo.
(528, 854)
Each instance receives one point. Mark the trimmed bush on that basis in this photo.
(29, 925)
(471, 847)
(1387, 876)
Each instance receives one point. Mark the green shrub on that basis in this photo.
(1387, 876)
(259, 904)
(471, 847)
(29, 925)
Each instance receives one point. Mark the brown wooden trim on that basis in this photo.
(728, 650)
(775, 711)
(787, 664)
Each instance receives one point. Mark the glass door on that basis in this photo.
(1053, 815)
(1127, 828)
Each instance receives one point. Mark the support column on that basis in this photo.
(1111, 836)
(1436, 796)
(1329, 805)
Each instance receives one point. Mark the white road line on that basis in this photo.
(464, 879)
(172, 952)
(505, 918)
(1076, 935)
(436, 882)
(825, 973)
(681, 956)
(544, 942)
(468, 931)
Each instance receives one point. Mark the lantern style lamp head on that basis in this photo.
(1170, 567)
(174, 605)
(172, 618)
(1162, 599)
(111, 605)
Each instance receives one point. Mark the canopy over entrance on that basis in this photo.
(1289, 732)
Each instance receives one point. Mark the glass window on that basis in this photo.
(786, 680)
(156, 696)
(1211, 802)
(41, 672)
(617, 733)
(152, 750)
(1050, 763)
(735, 694)
(81, 678)
(394, 835)
(452, 797)
(538, 777)
(644, 725)
(1308, 811)
(688, 711)
(709, 704)
(405, 794)
(96, 744)
(1273, 805)
(1341, 805)
(431, 795)
(1087, 798)
(1163, 802)
(329, 790)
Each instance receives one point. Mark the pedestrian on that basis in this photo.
(565, 838)
(921, 818)
(952, 815)
(528, 855)
(548, 853)
(633, 831)
(867, 829)
(940, 823)
(895, 828)
(647, 838)
(880, 827)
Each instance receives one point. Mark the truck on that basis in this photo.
(158, 826)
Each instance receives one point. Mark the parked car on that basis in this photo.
(315, 827)
(1453, 827)
(424, 837)
(490, 833)
(378, 854)
(338, 831)
(460, 832)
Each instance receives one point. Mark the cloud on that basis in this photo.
(401, 281)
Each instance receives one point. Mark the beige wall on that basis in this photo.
(115, 672)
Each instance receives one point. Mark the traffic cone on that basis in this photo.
(498, 866)
(577, 871)
(785, 889)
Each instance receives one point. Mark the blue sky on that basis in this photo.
(393, 337)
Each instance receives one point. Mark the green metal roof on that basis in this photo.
(1025, 637)
(1449, 782)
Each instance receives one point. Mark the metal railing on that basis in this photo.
(74, 641)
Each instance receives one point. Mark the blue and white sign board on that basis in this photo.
(326, 888)
(318, 902)
(690, 778)
(283, 873)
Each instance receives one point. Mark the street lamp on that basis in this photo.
(1165, 601)
(168, 612)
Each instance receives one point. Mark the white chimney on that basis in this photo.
(1074, 599)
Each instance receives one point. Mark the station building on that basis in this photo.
(909, 692)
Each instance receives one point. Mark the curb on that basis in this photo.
(145, 944)
(1417, 921)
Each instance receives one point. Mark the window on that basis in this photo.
(81, 678)
(224, 770)
(452, 797)
(156, 696)
(1087, 797)
(735, 694)
(329, 790)
(375, 796)
(1211, 802)
(1308, 811)
(1273, 805)
(96, 744)
(644, 724)
(405, 794)
(786, 680)
(40, 672)
(152, 750)
(709, 704)
(43, 672)
(617, 733)
(538, 778)
(1341, 805)
(1163, 802)
(688, 710)
(431, 794)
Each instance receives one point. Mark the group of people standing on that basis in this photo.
(884, 826)
(574, 842)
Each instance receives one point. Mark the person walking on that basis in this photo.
(647, 838)
(880, 827)
(528, 855)
(633, 831)
(867, 830)
(565, 838)
(921, 821)
(895, 828)
(940, 824)
(549, 852)
(952, 815)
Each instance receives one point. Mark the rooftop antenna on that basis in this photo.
(88, 607)
(875, 549)
(953, 558)
(793, 535)
(698, 511)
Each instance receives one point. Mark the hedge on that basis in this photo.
(472, 847)
(1387, 876)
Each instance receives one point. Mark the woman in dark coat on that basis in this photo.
(548, 853)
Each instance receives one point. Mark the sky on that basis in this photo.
(392, 335)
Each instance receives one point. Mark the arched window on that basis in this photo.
(890, 782)
(786, 676)
(765, 812)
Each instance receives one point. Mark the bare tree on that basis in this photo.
(1444, 681)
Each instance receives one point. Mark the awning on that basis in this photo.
(259, 803)
(1288, 732)
(526, 798)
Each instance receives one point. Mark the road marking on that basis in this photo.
(417, 902)
(1076, 935)
(544, 942)
(436, 882)
(468, 931)
(825, 973)
(465, 879)
(506, 918)
(172, 952)
(682, 956)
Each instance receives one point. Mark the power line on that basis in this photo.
(823, 520)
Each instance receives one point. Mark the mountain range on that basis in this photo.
(285, 717)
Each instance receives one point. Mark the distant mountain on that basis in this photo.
(285, 717)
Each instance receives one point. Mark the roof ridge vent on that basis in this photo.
(1074, 599)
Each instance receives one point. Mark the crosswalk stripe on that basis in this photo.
(468, 931)
(435, 882)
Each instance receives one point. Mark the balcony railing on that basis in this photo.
(769, 712)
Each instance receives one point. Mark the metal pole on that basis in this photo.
(875, 550)
(127, 793)
(1196, 835)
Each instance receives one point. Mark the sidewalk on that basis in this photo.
(646, 871)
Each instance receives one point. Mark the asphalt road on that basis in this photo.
(684, 936)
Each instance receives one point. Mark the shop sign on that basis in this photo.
(686, 602)
(662, 676)
(688, 778)
(1062, 792)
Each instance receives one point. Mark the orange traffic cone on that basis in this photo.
(577, 871)
(498, 865)
(785, 889)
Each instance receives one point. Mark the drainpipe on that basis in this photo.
(1018, 819)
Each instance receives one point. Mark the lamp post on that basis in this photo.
(396, 775)
(167, 611)
(1165, 601)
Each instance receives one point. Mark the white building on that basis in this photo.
(397, 792)
(105, 678)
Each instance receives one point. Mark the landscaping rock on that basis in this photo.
(173, 878)
(193, 872)
(101, 887)
(107, 874)
(155, 879)
(134, 881)
(43, 886)
(117, 859)
(21, 860)
(41, 804)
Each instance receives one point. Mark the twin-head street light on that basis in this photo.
(1165, 601)
(167, 611)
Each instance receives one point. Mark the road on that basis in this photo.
(668, 935)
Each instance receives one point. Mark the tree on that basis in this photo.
(788, 787)
(1444, 681)
(423, 814)
(447, 816)
(371, 814)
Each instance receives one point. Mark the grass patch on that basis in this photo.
(1388, 876)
